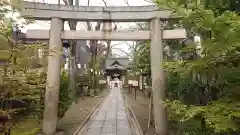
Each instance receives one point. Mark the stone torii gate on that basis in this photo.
(60, 13)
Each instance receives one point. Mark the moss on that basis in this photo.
(28, 126)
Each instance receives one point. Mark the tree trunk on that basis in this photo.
(72, 61)
(93, 46)
(93, 63)
(72, 69)
(150, 112)
(108, 48)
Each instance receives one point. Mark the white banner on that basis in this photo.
(133, 82)
(102, 82)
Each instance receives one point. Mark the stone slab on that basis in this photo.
(113, 117)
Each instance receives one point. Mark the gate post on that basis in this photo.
(53, 77)
(157, 73)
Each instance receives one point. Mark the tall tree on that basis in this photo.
(206, 77)
(72, 61)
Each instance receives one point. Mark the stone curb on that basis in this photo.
(132, 115)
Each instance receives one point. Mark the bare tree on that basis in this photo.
(94, 48)
(72, 61)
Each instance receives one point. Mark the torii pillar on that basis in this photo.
(53, 78)
(157, 69)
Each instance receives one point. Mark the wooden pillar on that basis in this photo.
(157, 69)
(53, 78)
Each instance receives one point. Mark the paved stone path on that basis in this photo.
(110, 118)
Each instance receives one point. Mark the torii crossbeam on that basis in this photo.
(102, 35)
(43, 11)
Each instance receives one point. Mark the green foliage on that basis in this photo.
(23, 82)
(209, 89)
(33, 132)
(220, 116)
(142, 56)
(65, 96)
(206, 89)
(3, 8)
(27, 85)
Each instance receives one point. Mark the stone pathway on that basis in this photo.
(110, 118)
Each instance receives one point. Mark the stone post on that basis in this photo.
(157, 69)
(140, 82)
(108, 80)
(123, 79)
(53, 78)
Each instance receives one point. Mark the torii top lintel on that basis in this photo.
(43, 11)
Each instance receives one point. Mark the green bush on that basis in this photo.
(65, 96)
(65, 99)
(207, 103)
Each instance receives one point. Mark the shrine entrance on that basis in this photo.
(116, 68)
(57, 14)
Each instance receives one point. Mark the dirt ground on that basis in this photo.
(140, 108)
(78, 112)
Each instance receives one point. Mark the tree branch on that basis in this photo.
(120, 49)
(105, 3)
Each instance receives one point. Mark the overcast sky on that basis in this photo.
(120, 45)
